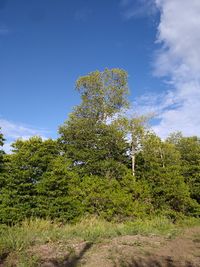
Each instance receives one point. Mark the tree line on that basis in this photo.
(103, 163)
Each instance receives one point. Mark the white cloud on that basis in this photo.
(179, 33)
(13, 131)
(179, 61)
(7, 147)
(154, 103)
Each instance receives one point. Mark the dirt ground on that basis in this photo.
(126, 251)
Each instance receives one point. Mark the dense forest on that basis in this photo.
(103, 163)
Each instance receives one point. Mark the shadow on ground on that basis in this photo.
(70, 261)
(153, 262)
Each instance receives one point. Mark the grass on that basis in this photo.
(16, 240)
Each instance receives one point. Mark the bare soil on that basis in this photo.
(127, 251)
(124, 251)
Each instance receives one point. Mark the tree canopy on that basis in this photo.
(103, 163)
(103, 94)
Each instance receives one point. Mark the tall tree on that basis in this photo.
(135, 129)
(87, 138)
(94, 147)
(57, 196)
(1, 151)
(159, 164)
(1, 138)
(189, 149)
(103, 94)
(24, 169)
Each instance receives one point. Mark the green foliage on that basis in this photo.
(21, 237)
(1, 139)
(103, 94)
(92, 146)
(111, 199)
(23, 171)
(189, 149)
(57, 197)
(102, 164)
(20, 244)
(1, 151)
(159, 164)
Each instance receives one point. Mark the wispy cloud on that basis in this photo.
(13, 131)
(155, 103)
(137, 8)
(179, 61)
(179, 58)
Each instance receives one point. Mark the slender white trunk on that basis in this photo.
(133, 163)
(133, 152)
(161, 156)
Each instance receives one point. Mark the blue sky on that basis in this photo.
(45, 45)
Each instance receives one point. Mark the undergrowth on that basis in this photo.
(17, 239)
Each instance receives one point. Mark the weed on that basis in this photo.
(16, 240)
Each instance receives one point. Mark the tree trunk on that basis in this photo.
(133, 152)
(133, 163)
